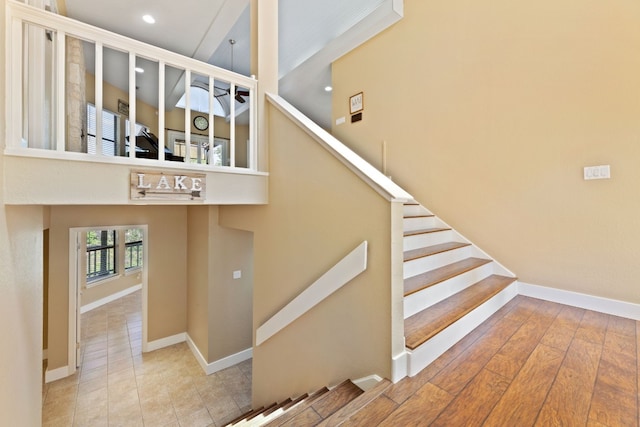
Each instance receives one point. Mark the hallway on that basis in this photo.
(118, 385)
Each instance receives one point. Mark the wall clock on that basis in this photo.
(201, 122)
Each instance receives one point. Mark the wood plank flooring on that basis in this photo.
(533, 363)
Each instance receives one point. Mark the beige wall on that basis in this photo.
(318, 212)
(21, 296)
(198, 273)
(167, 263)
(219, 308)
(490, 110)
(21, 299)
(230, 300)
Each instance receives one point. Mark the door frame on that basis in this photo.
(74, 290)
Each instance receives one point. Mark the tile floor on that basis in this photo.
(117, 385)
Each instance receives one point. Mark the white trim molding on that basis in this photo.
(576, 299)
(57, 374)
(106, 300)
(166, 342)
(220, 364)
(399, 366)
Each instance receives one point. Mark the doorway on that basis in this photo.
(105, 263)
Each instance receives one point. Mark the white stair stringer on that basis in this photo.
(425, 298)
(433, 348)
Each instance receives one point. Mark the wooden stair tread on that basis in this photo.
(323, 407)
(343, 414)
(422, 281)
(419, 216)
(427, 323)
(300, 406)
(432, 250)
(336, 398)
(424, 231)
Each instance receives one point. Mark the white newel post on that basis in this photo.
(264, 64)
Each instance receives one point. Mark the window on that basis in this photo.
(133, 254)
(101, 254)
(108, 258)
(199, 101)
(109, 131)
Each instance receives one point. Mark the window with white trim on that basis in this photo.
(101, 254)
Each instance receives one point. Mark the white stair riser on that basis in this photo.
(428, 239)
(419, 223)
(422, 356)
(415, 210)
(428, 263)
(418, 301)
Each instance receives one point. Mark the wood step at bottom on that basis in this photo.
(247, 415)
(300, 406)
(419, 216)
(344, 413)
(326, 405)
(433, 277)
(424, 325)
(424, 231)
(433, 250)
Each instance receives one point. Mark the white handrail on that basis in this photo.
(340, 274)
(63, 27)
(369, 174)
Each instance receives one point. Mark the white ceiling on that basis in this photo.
(312, 35)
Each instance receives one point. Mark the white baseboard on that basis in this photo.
(45, 354)
(56, 374)
(399, 365)
(576, 299)
(218, 365)
(110, 298)
(166, 342)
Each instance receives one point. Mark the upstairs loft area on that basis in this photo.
(66, 75)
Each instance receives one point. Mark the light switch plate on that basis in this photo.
(597, 172)
(237, 274)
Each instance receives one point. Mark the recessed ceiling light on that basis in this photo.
(139, 70)
(149, 19)
(328, 88)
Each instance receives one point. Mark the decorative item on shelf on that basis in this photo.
(201, 123)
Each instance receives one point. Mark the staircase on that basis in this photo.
(450, 286)
(323, 408)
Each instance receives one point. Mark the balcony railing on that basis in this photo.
(57, 66)
(100, 262)
(133, 255)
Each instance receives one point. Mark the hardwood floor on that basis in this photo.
(534, 363)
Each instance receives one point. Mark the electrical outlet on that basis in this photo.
(597, 172)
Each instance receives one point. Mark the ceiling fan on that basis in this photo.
(239, 94)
